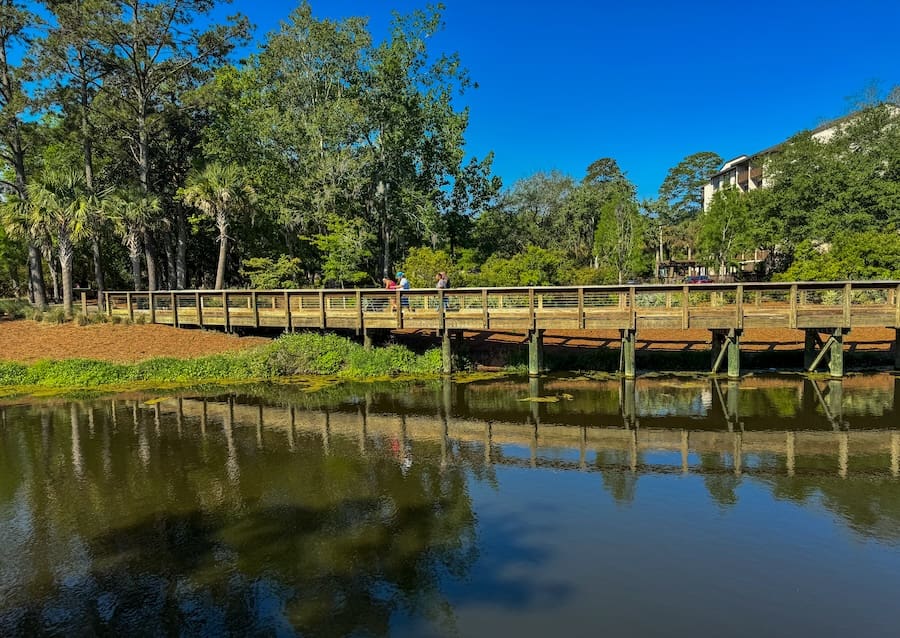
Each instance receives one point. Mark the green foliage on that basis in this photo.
(867, 255)
(344, 248)
(289, 355)
(682, 188)
(726, 227)
(533, 267)
(267, 274)
(422, 264)
(619, 237)
(15, 308)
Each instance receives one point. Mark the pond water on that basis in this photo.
(667, 506)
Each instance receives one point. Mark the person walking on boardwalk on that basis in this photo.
(442, 283)
(403, 284)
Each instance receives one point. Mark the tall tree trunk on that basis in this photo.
(171, 268)
(223, 252)
(66, 257)
(54, 275)
(87, 147)
(35, 266)
(133, 242)
(150, 257)
(98, 272)
(36, 277)
(181, 250)
(135, 256)
(386, 248)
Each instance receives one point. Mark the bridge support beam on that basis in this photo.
(836, 354)
(896, 348)
(446, 352)
(810, 341)
(627, 354)
(726, 348)
(535, 352)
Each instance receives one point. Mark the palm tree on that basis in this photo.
(60, 205)
(133, 213)
(219, 191)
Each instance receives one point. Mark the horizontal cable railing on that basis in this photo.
(776, 304)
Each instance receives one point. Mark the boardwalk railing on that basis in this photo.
(713, 306)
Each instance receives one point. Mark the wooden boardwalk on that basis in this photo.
(725, 309)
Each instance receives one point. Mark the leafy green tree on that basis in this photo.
(219, 191)
(71, 57)
(155, 47)
(267, 274)
(532, 267)
(16, 32)
(134, 214)
(725, 228)
(619, 238)
(867, 255)
(422, 264)
(60, 205)
(682, 188)
(345, 249)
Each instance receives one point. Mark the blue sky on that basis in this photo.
(564, 83)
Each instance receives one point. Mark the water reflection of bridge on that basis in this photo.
(628, 445)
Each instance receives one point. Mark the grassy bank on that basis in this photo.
(287, 356)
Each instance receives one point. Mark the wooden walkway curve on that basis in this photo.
(726, 309)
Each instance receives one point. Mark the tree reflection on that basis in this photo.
(303, 542)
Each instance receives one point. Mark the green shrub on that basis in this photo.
(290, 355)
(115, 319)
(57, 315)
(37, 315)
(82, 319)
(12, 373)
(140, 320)
(15, 308)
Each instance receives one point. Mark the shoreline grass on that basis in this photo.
(289, 356)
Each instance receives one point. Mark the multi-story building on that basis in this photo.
(748, 172)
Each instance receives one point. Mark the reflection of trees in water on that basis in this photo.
(720, 482)
(869, 505)
(618, 478)
(325, 545)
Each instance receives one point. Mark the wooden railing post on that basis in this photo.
(359, 311)
(581, 308)
(739, 302)
(848, 298)
(897, 311)
(152, 303)
(84, 303)
(128, 302)
(225, 311)
(685, 312)
(792, 318)
(254, 301)
(532, 319)
(198, 302)
(442, 319)
(287, 311)
(631, 302)
(174, 302)
(108, 309)
(486, 319)
(322, 317)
